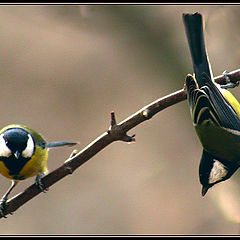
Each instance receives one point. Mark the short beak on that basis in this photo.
(204, 190)
(17, 154)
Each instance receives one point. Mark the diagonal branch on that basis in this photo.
(116, 132)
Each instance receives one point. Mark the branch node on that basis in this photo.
(127, 138)
(74, 152)
(145, 113)
(69, 169)
(117, 132)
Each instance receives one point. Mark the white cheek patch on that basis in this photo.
(4, 150)
(218, 172)
(28, 151)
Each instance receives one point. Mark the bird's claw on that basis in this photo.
(40, 183)
(228, 84)
(3, 207)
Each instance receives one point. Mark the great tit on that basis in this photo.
(214, 110)
(23, 154)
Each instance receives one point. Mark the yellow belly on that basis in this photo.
(36, 165)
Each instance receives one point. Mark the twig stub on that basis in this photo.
(117, 131)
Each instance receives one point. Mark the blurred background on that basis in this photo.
(64, 68)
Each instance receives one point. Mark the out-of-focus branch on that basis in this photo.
(116, 132)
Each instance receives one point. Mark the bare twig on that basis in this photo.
(116, 132)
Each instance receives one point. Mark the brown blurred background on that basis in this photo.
(64, 68)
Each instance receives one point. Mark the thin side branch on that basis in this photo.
(116, 132)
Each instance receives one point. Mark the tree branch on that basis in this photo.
(116, 132)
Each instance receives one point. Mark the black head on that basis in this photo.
(213, 171)
(17, 142)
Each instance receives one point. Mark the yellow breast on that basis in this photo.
(36, 165)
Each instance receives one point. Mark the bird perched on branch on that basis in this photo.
(23, 154)
(215, 112)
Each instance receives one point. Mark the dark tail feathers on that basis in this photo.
(60, 144)
(194, 30)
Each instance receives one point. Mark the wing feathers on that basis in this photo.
(208, 103)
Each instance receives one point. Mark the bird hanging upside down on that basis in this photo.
(215, 112)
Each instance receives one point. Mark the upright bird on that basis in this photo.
(214, 110)
(23, 154)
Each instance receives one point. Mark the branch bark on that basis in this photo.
(116, 132)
